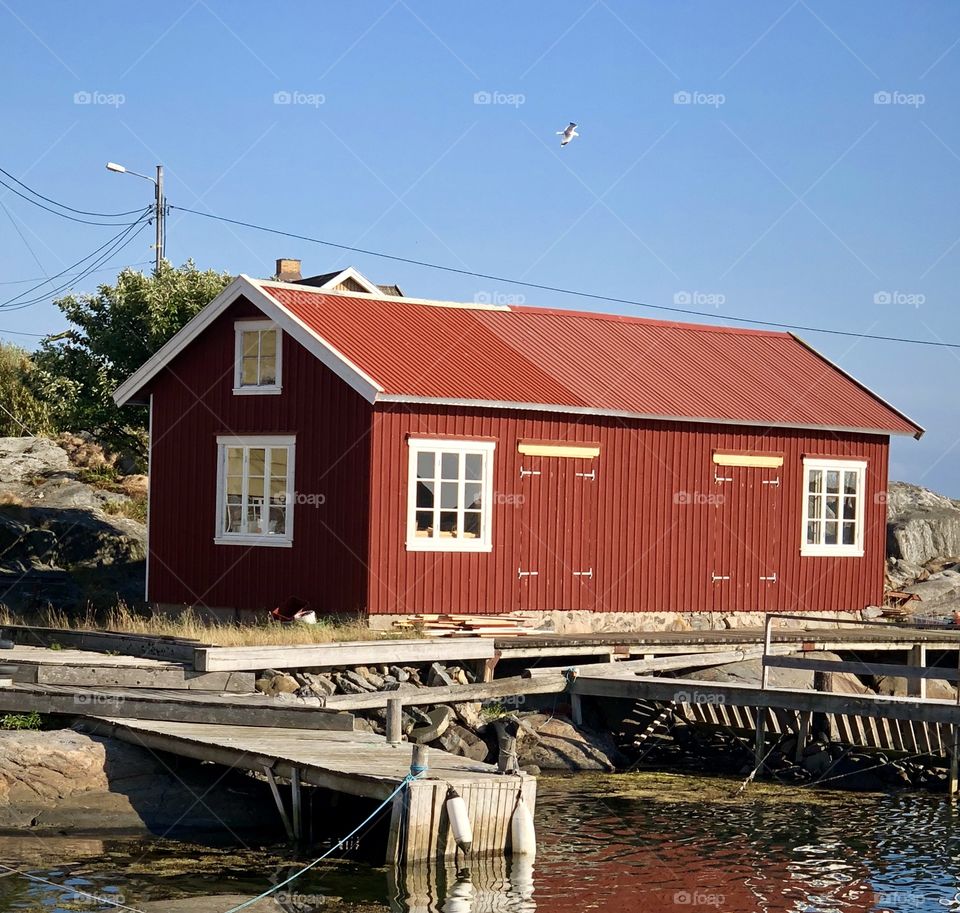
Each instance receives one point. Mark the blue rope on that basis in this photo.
(403, 783)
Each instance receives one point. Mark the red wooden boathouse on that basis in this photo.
(332, 440)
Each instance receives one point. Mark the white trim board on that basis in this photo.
(244, 286)
(620, 413)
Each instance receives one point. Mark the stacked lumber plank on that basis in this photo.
(445, 624)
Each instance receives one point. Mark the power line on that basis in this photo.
(82, 212)
(120, 242)
(12, 303)
(56, 212)
(575, 292)
(43, 278)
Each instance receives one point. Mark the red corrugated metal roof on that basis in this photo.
(589, 361)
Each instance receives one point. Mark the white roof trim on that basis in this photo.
(244, 286)
(920, 429)
(617, 413)
(383, 296)
(348, 273)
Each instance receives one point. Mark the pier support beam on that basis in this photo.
(296, 801)
(576, 709)
(954, 760)
(760, 743)
(917, 656)
(271, 780)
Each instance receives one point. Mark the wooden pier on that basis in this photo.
(358, 764)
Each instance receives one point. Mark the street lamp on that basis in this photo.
(159, 205)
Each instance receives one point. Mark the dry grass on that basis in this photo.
(9, 499)
(188, 624)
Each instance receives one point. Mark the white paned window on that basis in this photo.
(257, 358)
(255, 490)
(450, 495)
(833, 493)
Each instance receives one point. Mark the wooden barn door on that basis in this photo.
(557, 554)
(746, 536)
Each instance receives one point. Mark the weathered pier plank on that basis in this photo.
(196, 707)
(344, 653)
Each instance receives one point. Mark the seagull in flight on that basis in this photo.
(568, 134)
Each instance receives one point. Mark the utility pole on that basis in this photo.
(160, 212)
(159, 208)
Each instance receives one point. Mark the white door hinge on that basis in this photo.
(772, 579)
(528, 472)
(717, 577)
(592, 475)
(772, 482)
(717, 478)
(583, 573)
(527, 573)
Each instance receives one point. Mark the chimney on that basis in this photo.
(288, 271)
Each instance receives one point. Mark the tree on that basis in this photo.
(21, 411)
(114, 332)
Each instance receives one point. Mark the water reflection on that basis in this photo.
(489, 885)
(680, 846)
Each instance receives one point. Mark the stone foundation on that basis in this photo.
(584, 622)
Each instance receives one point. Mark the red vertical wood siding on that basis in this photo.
(193, 403)
(653, 524)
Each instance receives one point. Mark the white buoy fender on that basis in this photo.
(459, 820)
(522, 832)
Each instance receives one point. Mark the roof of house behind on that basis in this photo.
(396, 349)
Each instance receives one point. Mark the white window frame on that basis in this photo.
(239, 328)
(484, 542)
(840, 549)
(225, 441)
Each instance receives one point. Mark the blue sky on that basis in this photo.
(785, 188)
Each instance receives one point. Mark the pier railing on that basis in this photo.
(916, 672)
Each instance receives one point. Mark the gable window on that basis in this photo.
(450, 494)
(833, 492)
(255, 490)
(257, 359)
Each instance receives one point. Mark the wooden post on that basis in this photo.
(804, 719)
(917, 656)
(420, 762)
(296, 797)
(576, 709)
(486, 667)
(767, 632)
(758, 753)
(820, 725)
(954, 760)
(394, 721)
(279, 801)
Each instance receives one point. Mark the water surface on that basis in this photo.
(621, 843)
